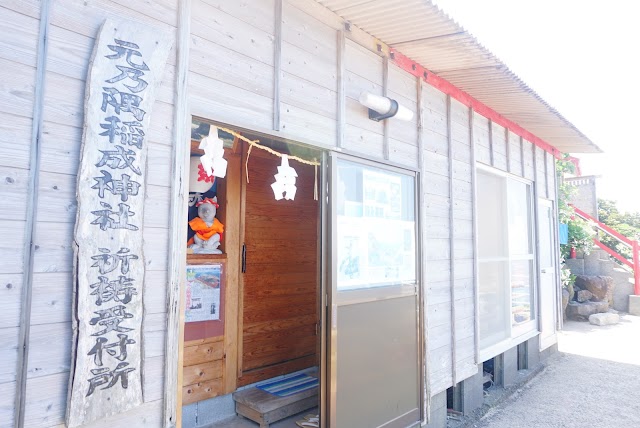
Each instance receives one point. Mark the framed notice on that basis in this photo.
(376, 233)
(203, 292)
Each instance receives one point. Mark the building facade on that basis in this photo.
(430, 246)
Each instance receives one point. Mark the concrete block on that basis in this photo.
(622, 290)
(576, 266)
(438, 417)
(189, 415)
(468, 395)
(592, 263)
(606, 267)
(604, 319)
(634, 305)
(546, 353)
(215, 409)
(533, 352)
(510, 367)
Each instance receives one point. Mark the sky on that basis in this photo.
(583, 58)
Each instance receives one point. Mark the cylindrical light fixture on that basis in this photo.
(384, 107)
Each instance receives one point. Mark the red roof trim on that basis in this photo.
(448, 88)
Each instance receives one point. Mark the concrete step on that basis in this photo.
(576, 266)
(593, 262)
(607, 266)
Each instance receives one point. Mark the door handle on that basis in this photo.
(244, 258)
(543, 271)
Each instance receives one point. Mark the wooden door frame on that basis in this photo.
(177, 258)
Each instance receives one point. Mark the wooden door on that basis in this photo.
(280, 283)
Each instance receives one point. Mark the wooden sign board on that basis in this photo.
(125, 72)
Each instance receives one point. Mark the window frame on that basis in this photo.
(515, 333)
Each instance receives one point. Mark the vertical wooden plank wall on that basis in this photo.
(462, 242)
(437, 241)
(71, 38)
(231, 80)
(403, 135)
(18, 50)
(231, 68)
(363, 72)
(309, 89)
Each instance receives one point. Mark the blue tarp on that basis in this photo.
(564, 234)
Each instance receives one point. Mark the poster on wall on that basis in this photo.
(376, 228)
(124, 75)
(203, 293)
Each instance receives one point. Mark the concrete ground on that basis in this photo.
(593, 382)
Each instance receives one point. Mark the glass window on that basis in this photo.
(521, 296)
(505, 257)
(494, 303)
(375, 227)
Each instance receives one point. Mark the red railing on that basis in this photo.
(633, 264)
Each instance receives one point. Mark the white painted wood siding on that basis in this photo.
(231, 78)
(18, 47)
(73, 26)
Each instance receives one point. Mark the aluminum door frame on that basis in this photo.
(329, 348)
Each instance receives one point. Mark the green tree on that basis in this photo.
(581, 232)
(627, 224)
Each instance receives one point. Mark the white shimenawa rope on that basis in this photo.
(255, 143)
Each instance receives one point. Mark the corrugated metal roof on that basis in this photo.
(421, 31)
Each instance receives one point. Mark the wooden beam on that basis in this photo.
(474, 228)
(452, 279)
(546, 175)
(173, 372)
(341, 91)
(385, 123)
(491, 155)
(508, 148)
(32, 206)
(423, 318)
(240, 304)
(277, 63)
(233, 247)
(521, 157)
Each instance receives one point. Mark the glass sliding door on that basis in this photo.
(505, 259)
(375, 358)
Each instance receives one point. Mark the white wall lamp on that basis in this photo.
(381, 108)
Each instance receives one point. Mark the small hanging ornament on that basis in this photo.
(285, 185)
(213, 162)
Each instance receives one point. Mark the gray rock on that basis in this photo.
(600, 286)
(604, 319)
(581, 311)
(601, 307)
(583, 295)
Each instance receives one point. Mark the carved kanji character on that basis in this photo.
(132, 74)
(120, 158)
(123, 187)
(128, 49)
(105, 221)
(107, 262)
(122, 101)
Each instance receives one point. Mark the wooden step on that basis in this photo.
(265, 408)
